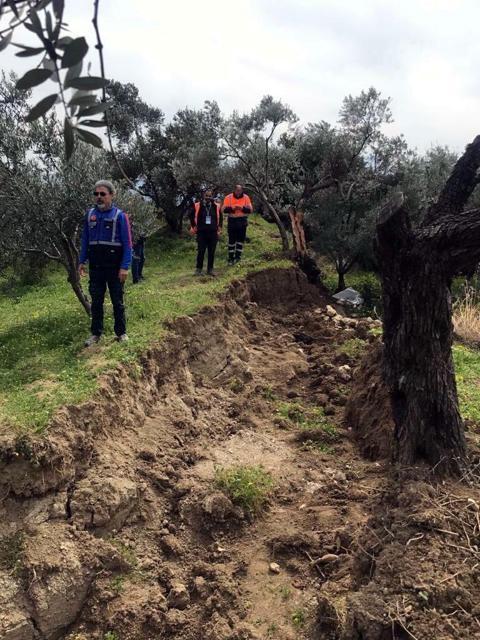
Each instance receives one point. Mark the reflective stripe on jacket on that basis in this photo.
(110, 230)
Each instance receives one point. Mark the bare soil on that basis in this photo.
(112, 527)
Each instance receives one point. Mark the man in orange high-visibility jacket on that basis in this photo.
(206, 222)
(238, 207)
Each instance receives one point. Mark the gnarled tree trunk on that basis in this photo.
(417, 266)
(305, 261)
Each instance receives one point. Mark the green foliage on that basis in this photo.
(42, 361)
(111, 635)
(11, 549)
(267, 392)
(118, 584)
(467, 371)
(299, 618)
(236, 385)
(353, 347)
(248, 487)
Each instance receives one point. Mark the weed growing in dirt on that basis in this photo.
(272, 630)
(127, 554)
(285, 593)
(267, 393)
(11, 549)
(248, 487)
(111, 635)
(118, 584)
(353, 347)
(43, 364)
(298, 618)
(237, 386)
(291, 411)
(314, 430)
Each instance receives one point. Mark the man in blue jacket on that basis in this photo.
(107, 246)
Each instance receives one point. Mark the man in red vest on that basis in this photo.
(238, 207)
(206, 222)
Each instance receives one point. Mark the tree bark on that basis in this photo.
(74, 280)
(341, 281)
(304, 260)
(417, 267)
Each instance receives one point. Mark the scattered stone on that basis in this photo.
(178, 598)
(274, 567)
(349, 297)
(327, 558)
(330, 311)
(171, 545)
(200, 586)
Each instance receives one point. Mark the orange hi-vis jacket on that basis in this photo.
(237, 205)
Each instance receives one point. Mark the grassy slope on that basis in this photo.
(42, 329)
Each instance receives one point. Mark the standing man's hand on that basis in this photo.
(122, 275)
(81, 270)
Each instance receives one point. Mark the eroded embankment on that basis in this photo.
(31, 465)
(121, 532)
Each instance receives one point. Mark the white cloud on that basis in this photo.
(310, 53)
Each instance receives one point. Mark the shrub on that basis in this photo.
(248, 487)
(466, 317)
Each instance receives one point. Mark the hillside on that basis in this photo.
(42, 361)
(207, 486)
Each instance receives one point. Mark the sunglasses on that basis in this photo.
(99, 193)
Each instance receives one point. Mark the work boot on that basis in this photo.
(198, 272)
(231, 262)
(89, 342)
(122, 338)
(211, 273)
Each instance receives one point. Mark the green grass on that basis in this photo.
(248, 487)
(11, 550)
(299, 618)
(467, 370)
(42, 328)
(353, 347)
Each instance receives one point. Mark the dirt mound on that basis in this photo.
(368, 412)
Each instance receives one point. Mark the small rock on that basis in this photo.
(473, 504)
(171, 545)
(178, 598)
(200, 585)
(274, 568)
(330, 311)
(327, 558)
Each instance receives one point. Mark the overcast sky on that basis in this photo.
(424, 54)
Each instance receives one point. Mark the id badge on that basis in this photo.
(208, 219)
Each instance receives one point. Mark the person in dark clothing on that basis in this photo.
(238, 207)
(206, 222)
(138, 257)
(107, 246)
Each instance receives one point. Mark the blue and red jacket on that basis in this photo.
(106, 239)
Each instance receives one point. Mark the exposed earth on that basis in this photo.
(113, 527)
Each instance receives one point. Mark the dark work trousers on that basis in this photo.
(100, 278)
(237, 230)
(138, 260)
(206, 241)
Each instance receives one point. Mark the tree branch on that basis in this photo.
(459, 186)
